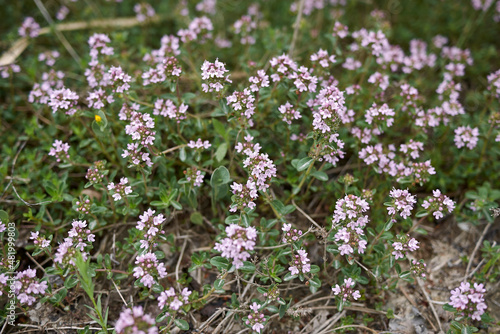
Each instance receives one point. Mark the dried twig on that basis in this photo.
(59, 35)
(421, 284)
(478, 244)
(296, 27)
(179, 262)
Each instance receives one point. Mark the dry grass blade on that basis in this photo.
(10, 56)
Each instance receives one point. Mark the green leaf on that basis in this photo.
(304, 163)
(196, 218)
(388, 224)
(218, 284)
(70, 282)
(224, 107)
(182, 154)
(449, 308)
(322, 176)
(182, 324)
(232, 219)
(221, 152)
(421, 213)
(220, 129)
(247, 266)
(283, 309)
(220, 262)
(220, 176)
(104, 121)
(405, 274)
(176, 205)
(315, 282)
(4, 217)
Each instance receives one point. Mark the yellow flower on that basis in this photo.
(98, 118)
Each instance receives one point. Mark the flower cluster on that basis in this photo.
(143, 11)
(59, 150)
(243, 196)
(49, 57)
(119, 79)
(494, 83)
(29, 28)
(121, 189)
(273, 294)
(173, 301)
(63, 98)
(243, 106)
(136, 156)
(261, 169)
(412, 148)
(404, 245)
(248, 148)
(27, 287)
(303, 80)
(135, 321)
(38, 240)
(465, 136)
(127, 112)
(300, 263)
(79, 237)
(283, 66)
(62, 13)
(389, 162)
(256, 318)
(98, 98)
(80, 234)
(83, 206)
(141, 129)
(200, 28)
(290, 235)
(244, 27)
(148, 268)
(349, 215)
(382, 81)
(468, 300)
(322, 58)
(214, 74)
(237, 244)
(259, 81)
(199, 145)
(328, 106)
(340, 30)
(194, 176)
(7, 70)
(168, 68)
(289, 114)
(402, 202)
(438, 203)
(380, 115)
(346, 292)
(417, 268)
(98, 44)
(167, 108)
(150, 224)
(96, 172)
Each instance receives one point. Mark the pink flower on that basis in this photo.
(215, 75)
(237, 244)
(288, 113)
(29, 28)
(466, 136)
(131, 320)
(147, 268)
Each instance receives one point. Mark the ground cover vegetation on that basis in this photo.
(318, 166)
